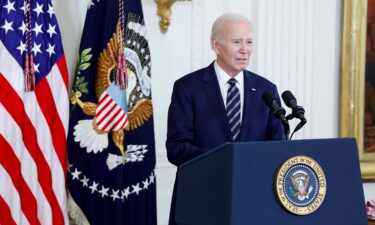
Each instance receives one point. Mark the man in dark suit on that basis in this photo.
(222, 102)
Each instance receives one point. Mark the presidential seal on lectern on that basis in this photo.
(300, 185)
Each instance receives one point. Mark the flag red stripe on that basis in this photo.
(102, 99)
(12, 165)
(5, 215)
(14, 105)
(108, 112)
(112, 119)
(125, 122)
(114, 125)
(61, 64)
(47, 105)
(105, 106)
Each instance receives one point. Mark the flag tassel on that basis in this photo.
(29, 74)
(121, 75)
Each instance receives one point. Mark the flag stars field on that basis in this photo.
(45, 51)
(50, 11)
(23, 28)
(36, 49)
(36, 68)
(10, 6)
(51, 49)
(51, 30)
(22, 47)
(38, 9)
(23, 7)
(37, 29)
(7, 26)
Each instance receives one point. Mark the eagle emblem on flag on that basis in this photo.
(116, 110)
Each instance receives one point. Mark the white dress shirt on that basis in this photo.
(223, 79)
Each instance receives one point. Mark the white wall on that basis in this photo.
(297, 46)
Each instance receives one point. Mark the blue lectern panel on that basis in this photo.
(206, 184)
(234, 184)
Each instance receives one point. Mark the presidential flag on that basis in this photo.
(33, 113)
(111, 150)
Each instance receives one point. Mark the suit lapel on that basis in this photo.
(214, 95)
(248, 113)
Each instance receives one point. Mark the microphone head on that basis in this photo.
(289, 98)
(291, 102)
(278, 111)
(270, 101)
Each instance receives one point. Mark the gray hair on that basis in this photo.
(219, 24)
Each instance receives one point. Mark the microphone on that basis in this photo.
(297, 111)
(277, 110)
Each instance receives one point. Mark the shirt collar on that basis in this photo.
(223, 77)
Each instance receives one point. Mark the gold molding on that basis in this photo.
(352, 102)
(165, 12)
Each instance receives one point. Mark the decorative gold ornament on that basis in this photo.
(165, 12)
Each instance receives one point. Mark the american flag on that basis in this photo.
(34, 124)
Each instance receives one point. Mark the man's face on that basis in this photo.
(234, 48)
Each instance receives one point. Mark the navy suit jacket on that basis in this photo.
(197, 119)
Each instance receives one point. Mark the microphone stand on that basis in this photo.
(286, 130)
(299, 125)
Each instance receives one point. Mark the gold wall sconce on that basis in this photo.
(164, 11)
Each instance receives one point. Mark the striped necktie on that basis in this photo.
(234, 109)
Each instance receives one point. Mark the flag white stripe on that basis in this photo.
(60, 95)
(101, 105)
(10, 71)
(120, 124)
(115, 121)
(11, 197)
(45, 143)
(110, 115)
(105, 110)
(13, 134)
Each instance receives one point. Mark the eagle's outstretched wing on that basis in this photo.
(106, 64)
(307, 182)
(141, 112)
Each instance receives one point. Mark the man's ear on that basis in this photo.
(216, 46)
